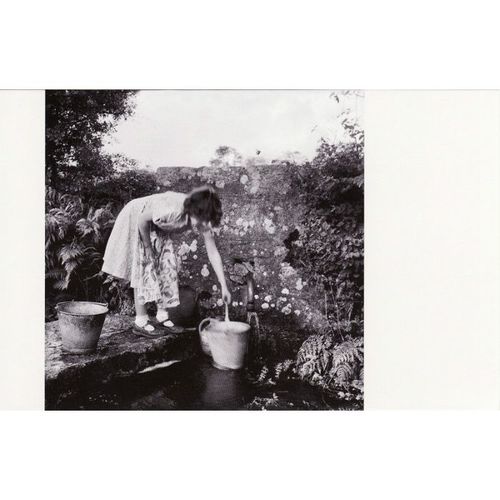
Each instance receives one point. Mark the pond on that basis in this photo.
(197, 385)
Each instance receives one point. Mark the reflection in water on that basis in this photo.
(197, 385)
(222, 389)
(191, 385)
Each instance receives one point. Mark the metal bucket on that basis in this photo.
(225, 341)
(80, 324)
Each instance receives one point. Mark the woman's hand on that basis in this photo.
(226, 295)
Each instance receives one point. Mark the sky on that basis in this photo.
(184, 128)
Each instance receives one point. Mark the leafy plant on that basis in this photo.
(323, 362)
(75, 240)
(121, 186)
(76, 123)
(328, 246)
(278, 372)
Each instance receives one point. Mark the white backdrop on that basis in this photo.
(226, 44)
(432, 247)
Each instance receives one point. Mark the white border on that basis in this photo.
(432, 246)
(22, 149)
(269, 44)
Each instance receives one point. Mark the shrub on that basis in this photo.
(121, 187)
(77, 122)
(329, 245)
(75, 240)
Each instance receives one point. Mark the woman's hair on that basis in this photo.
(204, 204)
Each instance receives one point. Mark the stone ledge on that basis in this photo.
(119, 353)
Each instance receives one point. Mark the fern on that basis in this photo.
(321, 361)
(71, 251)
(75, 240)
(283, 368)
(348, 352)
(55, 273)
(263, 375)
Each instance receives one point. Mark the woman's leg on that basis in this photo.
(168, 281)
(147, 291)
(141, 314)
(162, 314)
(140, 307)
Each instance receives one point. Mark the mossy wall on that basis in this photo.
(261, 210)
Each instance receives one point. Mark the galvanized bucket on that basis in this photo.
(80, 324)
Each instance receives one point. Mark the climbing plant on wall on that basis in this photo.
(328, 246)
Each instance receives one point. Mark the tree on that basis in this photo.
(226, 156)
(76, 122)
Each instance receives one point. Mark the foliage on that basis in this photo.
(76, 124)
(328, 246)
(276, 373)
(75, 240)
(332, 365)
(226, 156)
(121, 187)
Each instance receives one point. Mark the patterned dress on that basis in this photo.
(125, 257)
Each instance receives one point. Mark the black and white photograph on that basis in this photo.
(204, 250)
(249, 249)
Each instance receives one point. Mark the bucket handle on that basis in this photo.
(202, 323)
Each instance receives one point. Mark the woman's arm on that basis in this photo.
(216, 261)
(145, 232)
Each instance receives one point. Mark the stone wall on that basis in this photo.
(261, 210)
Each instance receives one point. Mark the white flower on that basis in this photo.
(269, 226)
(279, 251)
(265, 305)
(214, 288)
(299, 285)
(285, 291)
(183, 249)
(220, 302)
(267, 298)
(204, 271)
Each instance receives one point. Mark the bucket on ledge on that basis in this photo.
(80, 324)
(225, 341)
